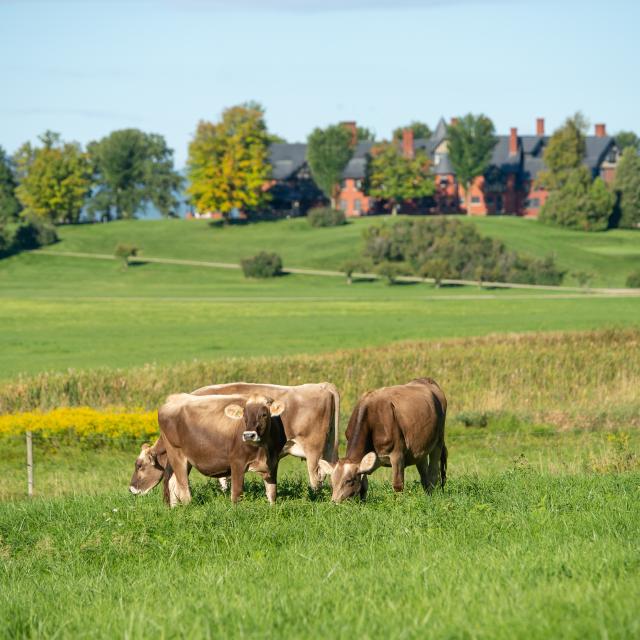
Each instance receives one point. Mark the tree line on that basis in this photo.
(228, 168)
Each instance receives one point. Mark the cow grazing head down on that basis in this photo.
(149, 470)
(257, 414)
(349, 478)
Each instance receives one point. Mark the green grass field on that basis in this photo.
(60, 313)
(610, 256)
(535, 535)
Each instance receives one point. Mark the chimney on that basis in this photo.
(351, 126)
(407, 143)
(513, 141)
(601, 131)
(539, 126)
(454, 122)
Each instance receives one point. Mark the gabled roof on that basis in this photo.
(443, 167)
(286, 158)
(440, 133)
(502, 158)
(597, 148)
(357, 167)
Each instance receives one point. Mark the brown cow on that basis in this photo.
(393, 426)
(218, 435)
(310, 418)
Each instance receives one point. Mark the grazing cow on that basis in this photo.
(310, 419)
(218, 435)
(393, 426)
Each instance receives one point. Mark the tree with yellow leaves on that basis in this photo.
(228, 164)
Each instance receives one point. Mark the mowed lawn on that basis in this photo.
(60, 313)
(534, 536)
(609, 256)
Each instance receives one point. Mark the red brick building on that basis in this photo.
(507, 188)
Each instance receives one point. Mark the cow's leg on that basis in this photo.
(433, 472)
(270, 484)
(423, 470)
(364, 487)
(237, 482)
(179, 485)
(397, 470)
(313, 458)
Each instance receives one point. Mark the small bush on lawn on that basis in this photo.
(125, 252)
(633, 281)
(263, 265)
(326, 217)
(32, 233)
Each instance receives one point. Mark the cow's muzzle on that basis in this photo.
(250, 436)
(134, 490)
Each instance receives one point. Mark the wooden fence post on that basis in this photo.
(29, 464)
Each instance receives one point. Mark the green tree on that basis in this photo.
(54, 179)
(564, 153)
(420, 130)
(125, 252)
(471, 141)
(131, 170)
(395, 178)
(9, 204)
(364, 134)
(626, 139)
(328, 152)
(228, 165)
(627, 184)
(579, 203)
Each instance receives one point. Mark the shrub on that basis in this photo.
(263, 265)
(349, 267)
(444, 248)
(125, 252)
(391, 271)
(633, 281)
(32, 233)
(326, 217)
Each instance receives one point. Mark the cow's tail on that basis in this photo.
(333, 435)
(443, 464)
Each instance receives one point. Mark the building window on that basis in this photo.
(358, 184)
(357, 205)
(343, 205)
(532, 203)
(475, 200)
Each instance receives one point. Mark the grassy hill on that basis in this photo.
(609, 256)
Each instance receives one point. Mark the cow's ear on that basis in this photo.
(276, 408)
(368, 463)
(145, 446)
(327, 467)
(234, 411)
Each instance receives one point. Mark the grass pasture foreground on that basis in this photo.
(535, 536)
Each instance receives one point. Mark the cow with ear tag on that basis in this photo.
(150, 466)
(393, 427)
(220, 436)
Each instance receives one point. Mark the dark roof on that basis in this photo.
(286, 159)
(501, 158)
(597, 148)
(440, 133)
(357, 167)
(443, 167)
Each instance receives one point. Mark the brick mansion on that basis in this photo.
(507, 187)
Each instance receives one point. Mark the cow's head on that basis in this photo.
(348, 478)
(149, 469)
(257, 414)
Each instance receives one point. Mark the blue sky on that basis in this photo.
(86, 67)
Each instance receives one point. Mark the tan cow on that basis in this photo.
(394, 427)
(218, 435)
(310, 418)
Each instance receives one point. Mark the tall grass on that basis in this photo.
(583, 379)
(514, 555)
